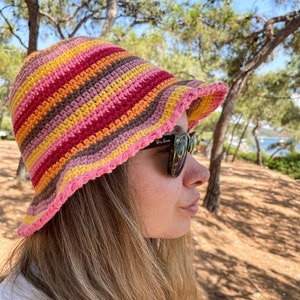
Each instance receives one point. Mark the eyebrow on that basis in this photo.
(177, 129)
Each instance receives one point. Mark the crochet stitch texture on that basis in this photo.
(84, 106)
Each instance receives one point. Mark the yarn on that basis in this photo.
(84, 106)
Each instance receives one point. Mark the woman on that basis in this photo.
(105, 138)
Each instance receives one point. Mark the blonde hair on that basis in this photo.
(93, 248)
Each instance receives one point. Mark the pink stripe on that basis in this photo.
(76, 183)
(44, 56)
(77, 103)
(80, 131)
(70, 69)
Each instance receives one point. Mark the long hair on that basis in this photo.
(93, 248)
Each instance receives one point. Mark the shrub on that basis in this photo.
(251, 156)
(289, 164)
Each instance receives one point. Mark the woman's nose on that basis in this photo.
(194, 173)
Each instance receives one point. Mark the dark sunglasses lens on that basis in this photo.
(192, 143)
(179, 156)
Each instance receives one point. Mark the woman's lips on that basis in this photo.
(192, 209)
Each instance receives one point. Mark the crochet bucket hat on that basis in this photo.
(84, 106)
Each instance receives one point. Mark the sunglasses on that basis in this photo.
(180, 144)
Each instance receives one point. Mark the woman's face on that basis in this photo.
(165, 204)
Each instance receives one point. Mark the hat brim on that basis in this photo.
(83, 106)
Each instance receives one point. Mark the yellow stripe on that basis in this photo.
(68, 88)
(203, 107)
(80, 170)
(83, 111)
(53, 170)
(47, 69)
(31, 219)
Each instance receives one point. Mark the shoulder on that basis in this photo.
(16, 287)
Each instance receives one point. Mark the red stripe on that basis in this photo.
(66, 72)
(89, 125)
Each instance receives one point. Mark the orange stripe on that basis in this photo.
(47, 69)
(82, 112)
(137, 109)
(68, 88)
(204, 106)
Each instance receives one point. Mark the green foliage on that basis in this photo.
(292, 116)
(208, 124)
(231, 150)
(268, 99)
(6, 124)
(252, 157)
(151, 45)
(10, 62)
(289, 164)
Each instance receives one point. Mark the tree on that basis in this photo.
(281, 145)
(33, 26)
(65, 18)
(235, 45)
(264, 101)
(241, 137)
(10, 61)
(267, 39)
(206, 37)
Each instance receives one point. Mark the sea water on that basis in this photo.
(266, 142)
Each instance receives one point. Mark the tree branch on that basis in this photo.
(271, 44)
(268, 27)
(53, 21)
(10, 27)
(82, 21)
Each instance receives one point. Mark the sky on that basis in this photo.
(267, 9)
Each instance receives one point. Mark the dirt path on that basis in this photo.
(248, 251)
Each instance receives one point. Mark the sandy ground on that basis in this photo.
(249, 250)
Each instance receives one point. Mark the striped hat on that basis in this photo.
(84, 106)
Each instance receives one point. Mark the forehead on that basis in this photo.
(181, 124)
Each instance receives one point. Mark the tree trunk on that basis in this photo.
(212, 197)
(240, 140)
(273, 154)
(111, 15)
(22, 172)
(231, 139)
(33, 25)
(254, 133)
